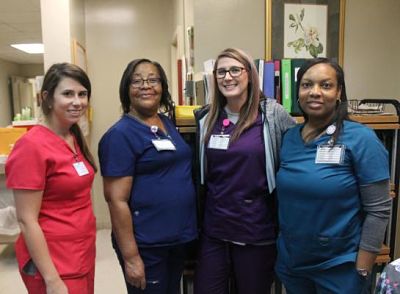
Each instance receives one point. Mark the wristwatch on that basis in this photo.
(363, 272)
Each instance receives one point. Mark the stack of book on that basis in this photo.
(278, 81)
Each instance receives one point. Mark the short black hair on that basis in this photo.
(166, 101)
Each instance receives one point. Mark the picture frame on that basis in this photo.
(284, 21)
(79, 55)
(79, 58)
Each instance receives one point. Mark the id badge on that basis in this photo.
(163, 145)
(330, 154)
(80, 168)
(220, 142)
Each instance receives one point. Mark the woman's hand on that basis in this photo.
(28, 215)
(134, 272)
(365, 260)
(56, 286)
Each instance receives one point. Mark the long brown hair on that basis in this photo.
(54, 75)
(249, 111)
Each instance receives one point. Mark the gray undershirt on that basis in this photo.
(232, 116)
(376, 204)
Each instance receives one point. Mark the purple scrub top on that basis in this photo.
(236, 207)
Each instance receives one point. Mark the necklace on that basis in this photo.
(152, 122)
(308, 134)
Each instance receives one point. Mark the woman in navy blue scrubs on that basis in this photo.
(333, 191)
(146, 168)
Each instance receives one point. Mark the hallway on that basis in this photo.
(108, 277)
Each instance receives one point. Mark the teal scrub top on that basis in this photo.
(320, 210)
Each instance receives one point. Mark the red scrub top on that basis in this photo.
(41, 160)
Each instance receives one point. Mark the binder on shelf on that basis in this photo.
(199, 92)
(260, 68)
(286, 81)
(269, 79)
(180, 82)
(277, 82)
(295, 66)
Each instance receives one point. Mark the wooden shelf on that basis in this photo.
(383, 256)
(185, 121)
(374, 121)
(378, 122)
(186, 129)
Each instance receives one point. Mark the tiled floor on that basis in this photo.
(108, 278)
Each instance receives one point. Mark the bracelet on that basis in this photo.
(363, 272)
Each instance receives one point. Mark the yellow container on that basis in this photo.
(8, 137)
(185, 111)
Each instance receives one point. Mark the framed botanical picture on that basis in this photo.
(305, 29)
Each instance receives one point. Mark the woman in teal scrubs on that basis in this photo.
(333, 190)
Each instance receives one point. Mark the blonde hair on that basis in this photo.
(249, 111)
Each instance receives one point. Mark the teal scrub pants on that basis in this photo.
(341, 279)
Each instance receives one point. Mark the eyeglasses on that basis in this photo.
(152, 82)
(234, 71)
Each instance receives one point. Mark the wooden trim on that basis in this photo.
(342, 17)
(268, 30)
(377, 122)
(186, 129)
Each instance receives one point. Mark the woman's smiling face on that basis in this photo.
(232, 87)
(319, 92)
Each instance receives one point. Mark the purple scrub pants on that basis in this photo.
(249, 267)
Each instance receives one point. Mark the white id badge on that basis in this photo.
(163, 144)
(330, 154)
(220, 142)
(80, 168)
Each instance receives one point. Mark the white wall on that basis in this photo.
(31, 70)
(116, 33)
(372, 49)
(77, 21)
(226, 23)
(56, 31)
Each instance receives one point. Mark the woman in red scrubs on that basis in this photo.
(51, 171)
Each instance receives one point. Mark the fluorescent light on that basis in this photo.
(30, 48)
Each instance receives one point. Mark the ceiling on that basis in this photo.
(19, 23)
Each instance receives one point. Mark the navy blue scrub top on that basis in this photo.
(162, 200)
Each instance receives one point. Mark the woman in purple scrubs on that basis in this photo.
(239, 138)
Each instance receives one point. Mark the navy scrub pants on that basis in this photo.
(251, 267)
(163, 269)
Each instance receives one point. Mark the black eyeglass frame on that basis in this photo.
(219, 76)
(152, 82)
